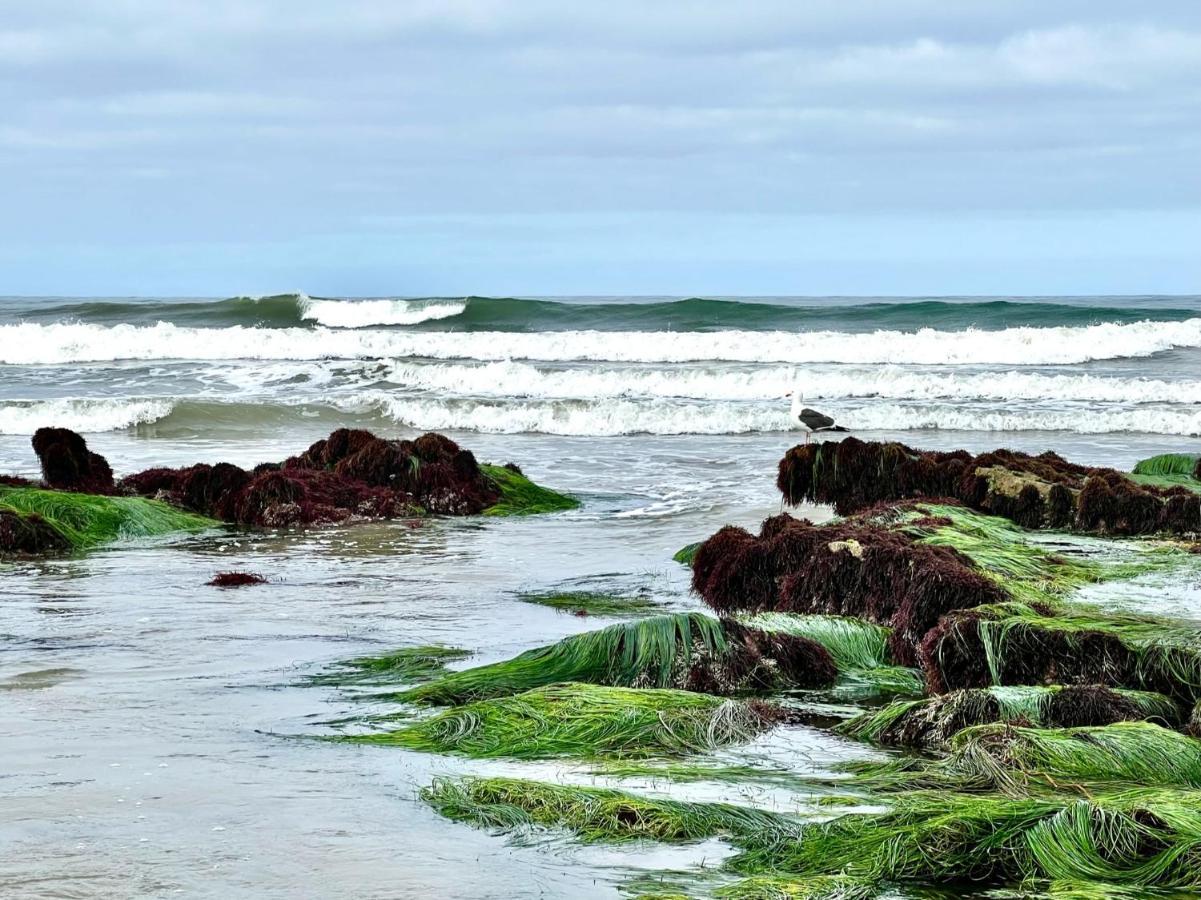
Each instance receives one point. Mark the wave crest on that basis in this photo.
(30, 344)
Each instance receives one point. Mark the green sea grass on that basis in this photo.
(88, 520)
(583, 721)
(643, 653)
(601, 814)
(521, 497)
(408, 665)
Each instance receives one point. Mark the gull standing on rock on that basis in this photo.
(811, 420)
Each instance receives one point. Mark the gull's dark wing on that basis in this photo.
(814, 420)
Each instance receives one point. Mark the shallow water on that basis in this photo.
(159, 739)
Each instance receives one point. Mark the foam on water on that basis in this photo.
(80, 414)
(28, 343)
(365, 313)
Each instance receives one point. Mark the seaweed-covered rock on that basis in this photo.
(68, 464)
(29, 534)
(852, 568)
(352, 473)
(978, 648)
(1043, 491)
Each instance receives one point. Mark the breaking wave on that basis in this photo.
(29, 344)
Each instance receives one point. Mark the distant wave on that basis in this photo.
(366, 313)
(30, 344)
(490, 314)
(277, 311)
(18, 417)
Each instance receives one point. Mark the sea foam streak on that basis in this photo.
(28, 344)
(516, 379)
(619, 416)
(80, 415)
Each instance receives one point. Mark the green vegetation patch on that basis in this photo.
(593, 603)
(859, 650)
(408, 665)
(1146, 838)
(782, 887)
(1164, 655)
(932, 721)
(1027, 569)
(88, 520)
(1168, 464)
(686, 554)
(521, 497)
(600, 814)
(642, 653)
(1017, 760)
(585, 720)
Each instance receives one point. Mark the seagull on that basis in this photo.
(811, 420)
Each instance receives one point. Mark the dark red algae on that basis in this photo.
(236, 579)
(351, 473)
(68, 464)
(852, 568)
(1043, 491)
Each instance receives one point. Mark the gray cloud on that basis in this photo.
(129, 126)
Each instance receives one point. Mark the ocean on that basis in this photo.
(159, 732)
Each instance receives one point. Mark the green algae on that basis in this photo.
(1168, 464)
(686, 554)
(1135, 838)
(408, 665)
(1020, 761)
(593, 603)
(583, 721)
(859, 650)
(595, 814)
(932, 721)
(521, 497)
(89, 520)
(783, 887)
(645, 652)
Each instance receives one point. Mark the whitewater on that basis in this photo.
(258, 366)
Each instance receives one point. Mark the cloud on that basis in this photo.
(142, 121)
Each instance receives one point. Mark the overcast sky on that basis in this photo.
(384, 147)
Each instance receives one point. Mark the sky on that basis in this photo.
(542, 147)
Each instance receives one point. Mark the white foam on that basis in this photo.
(28, 343)
(365, 313)
(514, 379)
(624, 416)
(89, 416)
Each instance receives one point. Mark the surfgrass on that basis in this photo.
(782, 887)
(1136, 838)
(686, 554)
(595, 814)
(89, 520)
(521, 497)
(859, 650)
(408, 665)
(593, 603)
(1019, 760)
(853, 643)
(1026, 569)
(1168, 464)
(584, 721)
(933, 721)
(641, 653)
(1167, 653)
